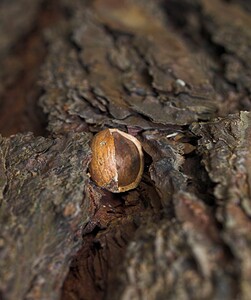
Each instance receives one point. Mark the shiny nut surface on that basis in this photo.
(117, 160)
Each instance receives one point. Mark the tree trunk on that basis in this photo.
(173, 73)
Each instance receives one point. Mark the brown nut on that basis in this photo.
(117, 160)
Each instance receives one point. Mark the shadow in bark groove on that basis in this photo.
(93, 271)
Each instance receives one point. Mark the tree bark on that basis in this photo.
(175, 74)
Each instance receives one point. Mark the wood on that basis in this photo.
(175, 74)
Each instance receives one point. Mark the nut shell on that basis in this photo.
(117, 160)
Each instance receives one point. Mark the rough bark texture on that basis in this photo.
(177, 75)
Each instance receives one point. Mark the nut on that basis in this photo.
(117, 160)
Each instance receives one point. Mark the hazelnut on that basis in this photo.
(117, 160)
